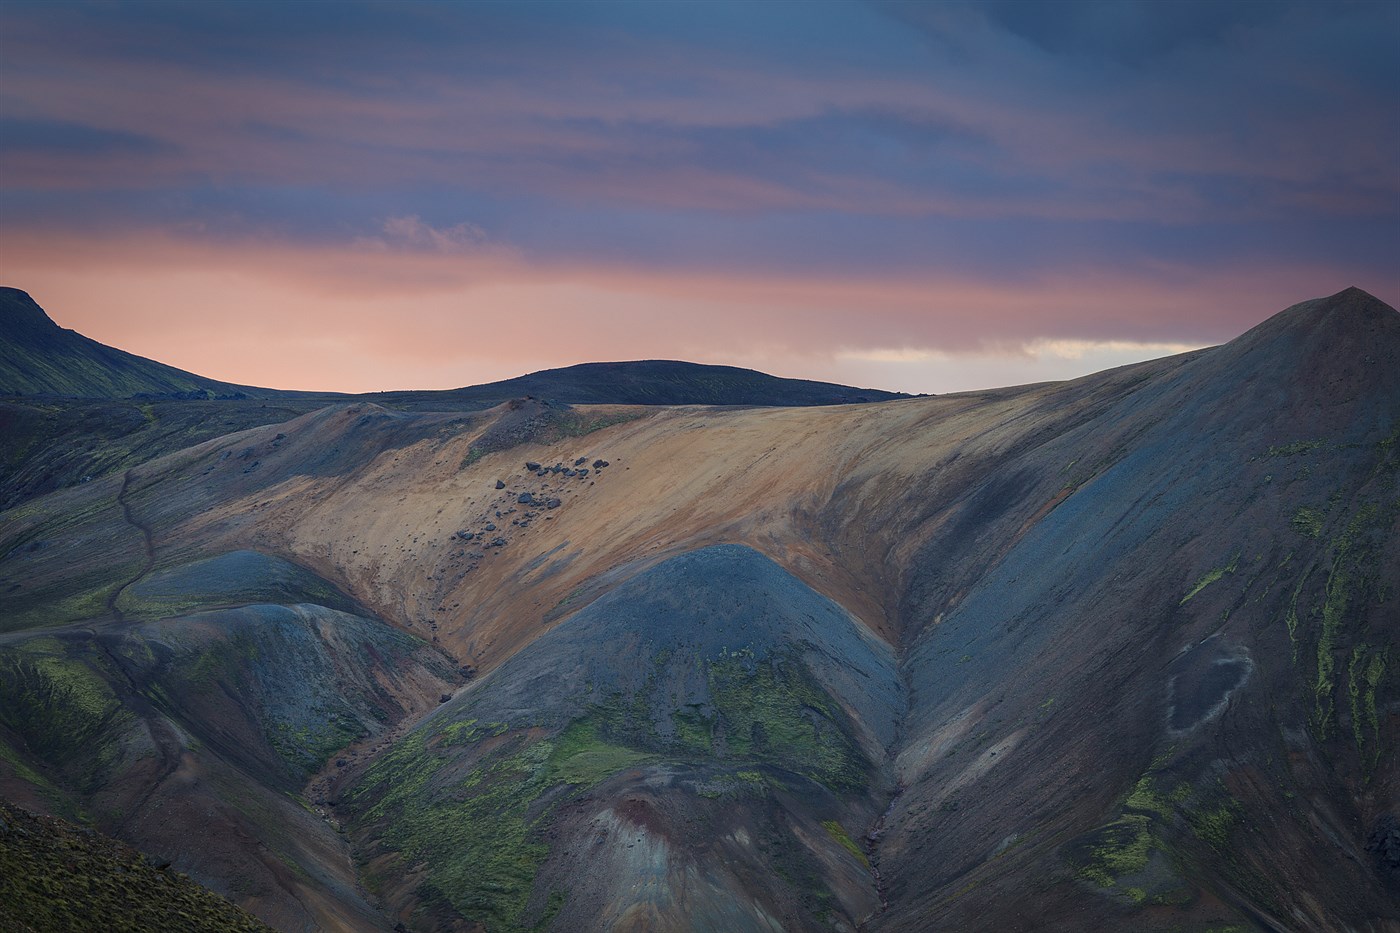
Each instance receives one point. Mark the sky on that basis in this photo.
(926, 197)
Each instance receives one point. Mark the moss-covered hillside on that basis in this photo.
(55, 876)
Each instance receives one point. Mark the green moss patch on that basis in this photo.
(838, 832)
(1364, 677)
(583, 758)
(1308, 522)
(60, 706)
(1209, 577)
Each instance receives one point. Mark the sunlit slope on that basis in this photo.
(1136, 630)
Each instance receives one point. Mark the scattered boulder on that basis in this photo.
(498, 542)
(341, 762)
(580, 460)
(532, 466)
(582, 473)
(465, 535)
(552, 503)
(599, 464)
(490, 526)
(444, 697)
(500, 485)
(526, 498)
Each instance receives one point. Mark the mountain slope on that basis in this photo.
(1118, 653)
(56, 876)
(41, 358)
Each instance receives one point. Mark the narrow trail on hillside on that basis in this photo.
(147, 540)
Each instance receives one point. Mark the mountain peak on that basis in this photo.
(1349, 320)
(1318, 356)
(20, 315)
(1349, 308)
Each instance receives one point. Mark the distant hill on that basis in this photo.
(41, 358)
(648, 382)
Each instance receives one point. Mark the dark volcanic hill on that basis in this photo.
(646, 382)
(1121, 653)
(37, 357)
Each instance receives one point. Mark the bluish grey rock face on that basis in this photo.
(706, 604)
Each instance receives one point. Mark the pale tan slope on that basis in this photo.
(679, 478)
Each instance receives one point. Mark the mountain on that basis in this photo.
(1118, 653)
(41, 358)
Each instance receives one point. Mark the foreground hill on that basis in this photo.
(56, 876)
(1117, 653)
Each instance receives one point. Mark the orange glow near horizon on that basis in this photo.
(359, 318)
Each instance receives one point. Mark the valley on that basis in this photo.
(1113, 653)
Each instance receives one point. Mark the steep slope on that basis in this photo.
(1207, 588)
(41, 358)
(1116, 653)
(56, 876)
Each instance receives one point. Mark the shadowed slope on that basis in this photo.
(56, 876)
(1199, 611)
(712, 704)
(41, 358)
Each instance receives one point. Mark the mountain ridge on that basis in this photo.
(1121, 645)
(29, 336)
(42, 358)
